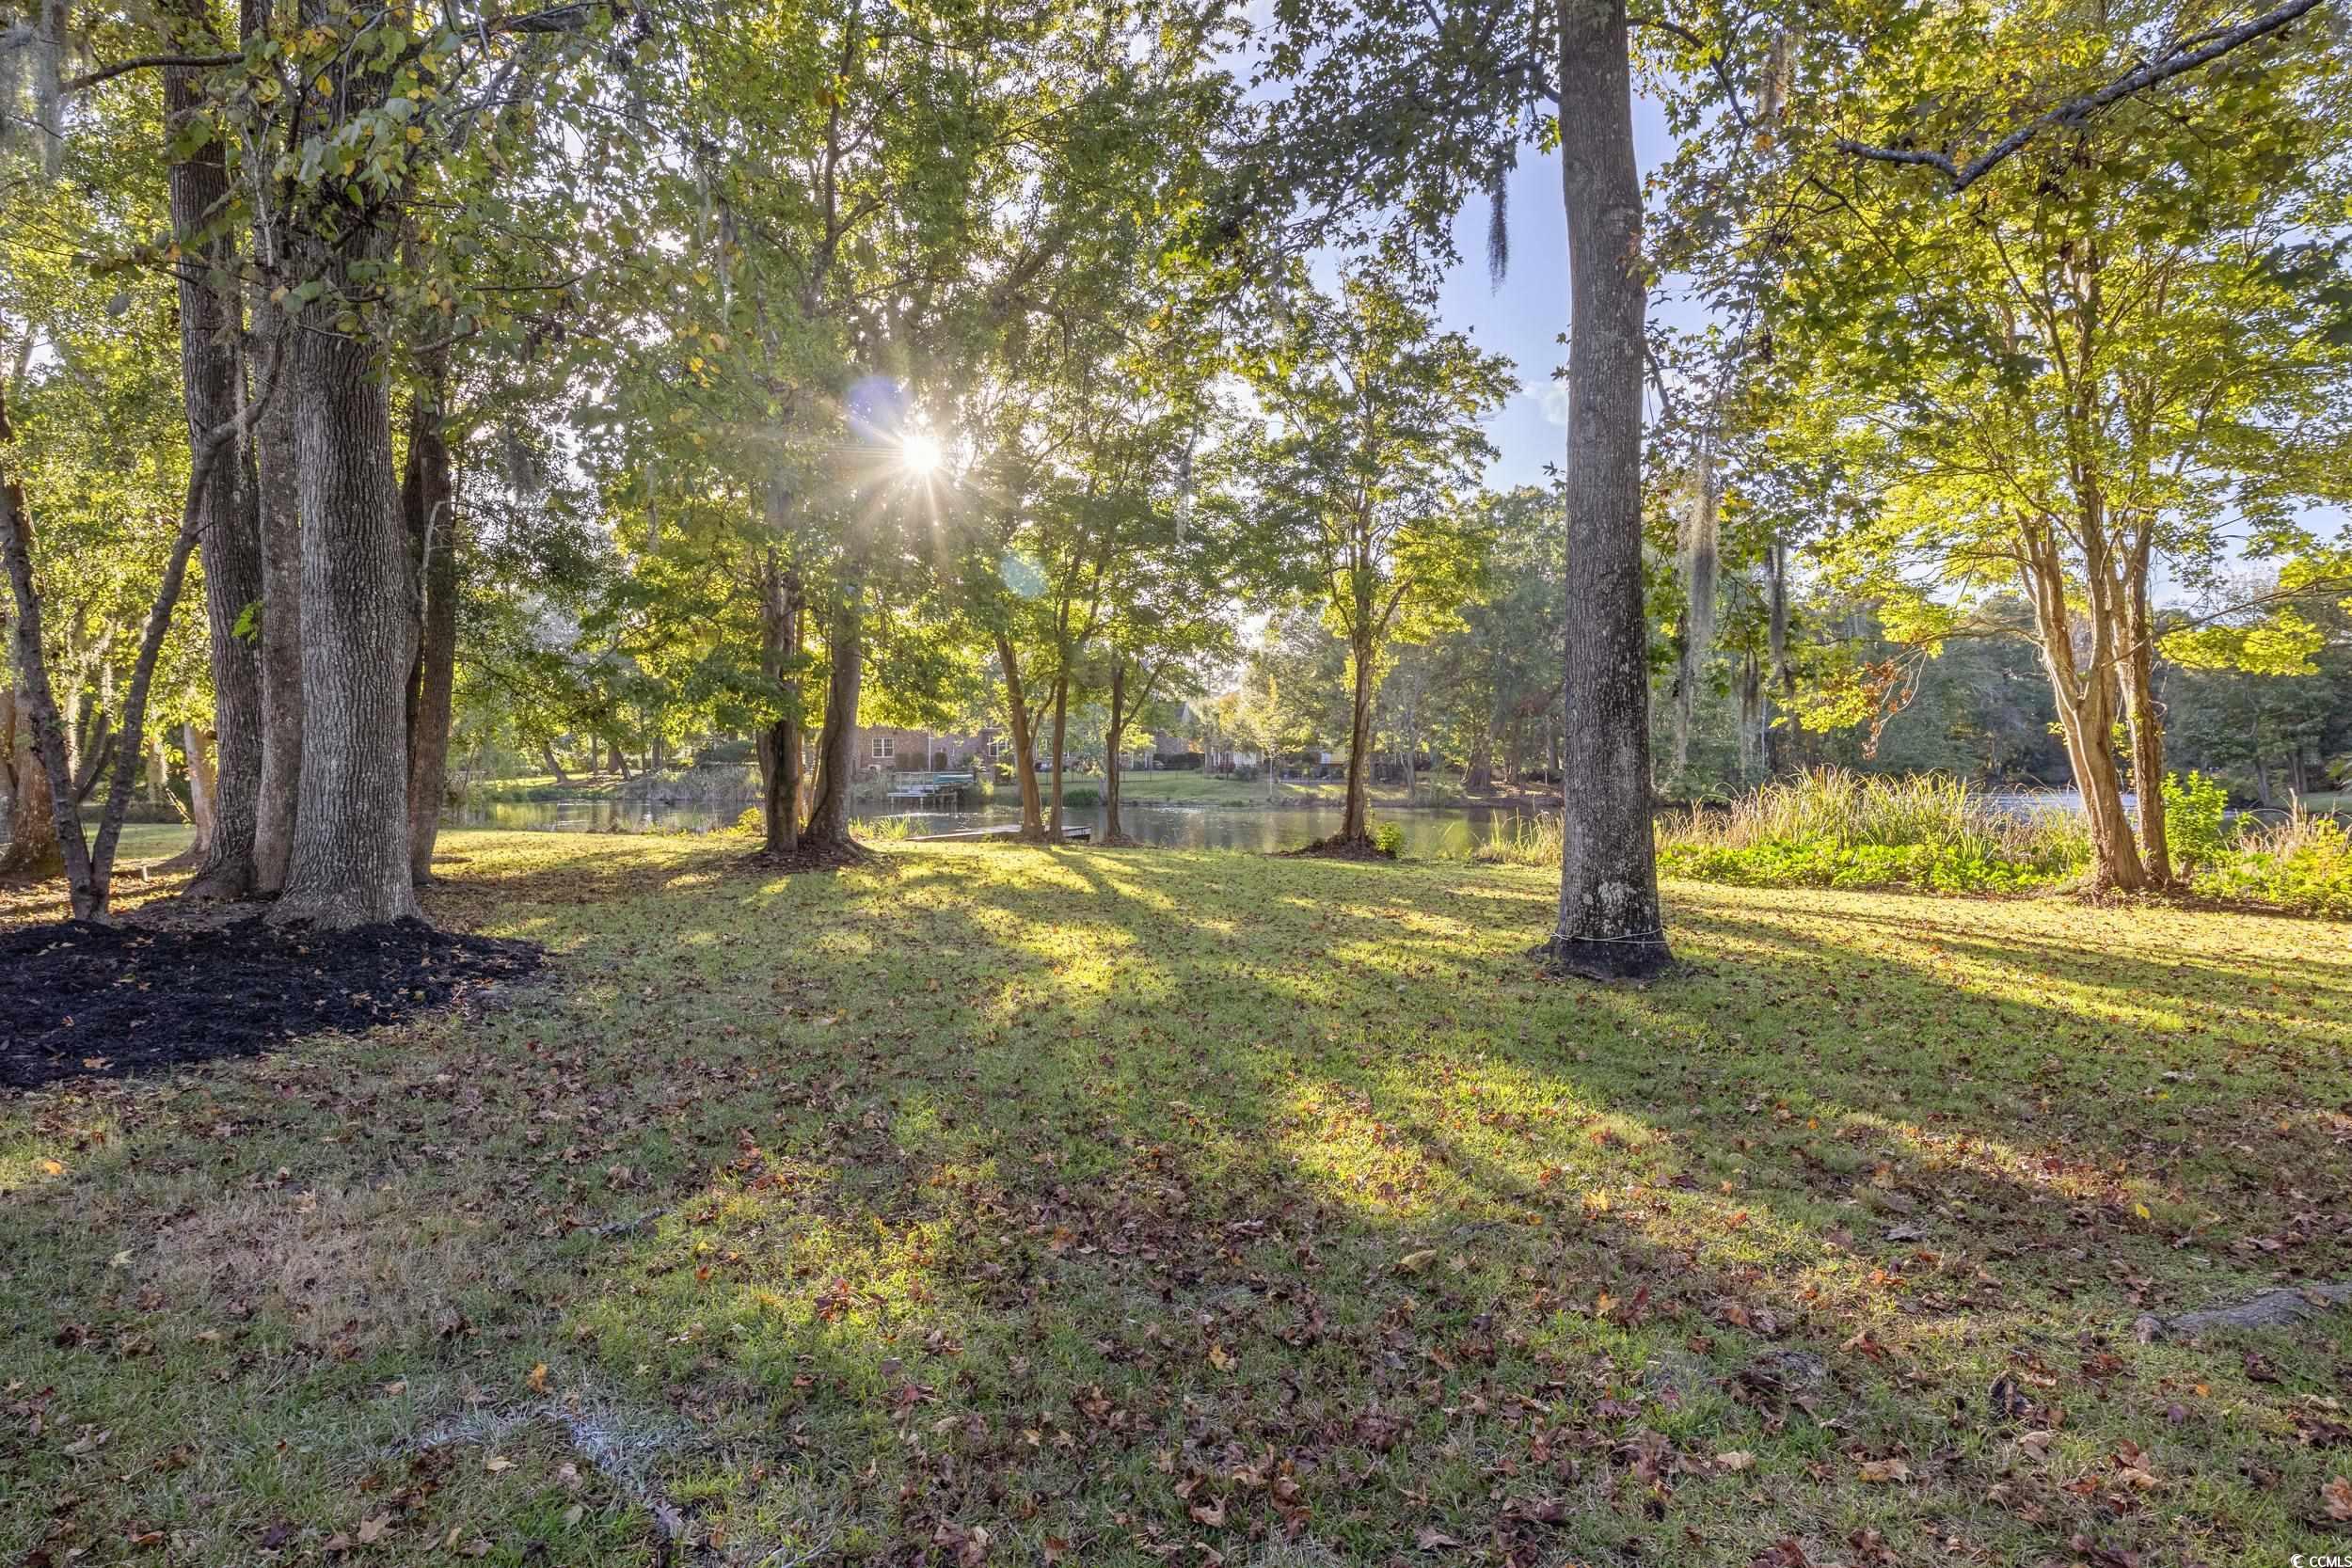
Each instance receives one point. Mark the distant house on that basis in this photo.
(1160, 751)
(884, 749)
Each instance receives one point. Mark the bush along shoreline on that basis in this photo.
(1933, 834)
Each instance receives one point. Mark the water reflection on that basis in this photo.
(1429, 832)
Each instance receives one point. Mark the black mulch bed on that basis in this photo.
(77, 997)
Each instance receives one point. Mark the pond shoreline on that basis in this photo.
(1429, 830)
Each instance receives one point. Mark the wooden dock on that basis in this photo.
(923, 789)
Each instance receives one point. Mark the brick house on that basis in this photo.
(884, 749)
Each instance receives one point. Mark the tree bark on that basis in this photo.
(278, 508)
(1478, 774)
(93, 893)
(429, 503)
(1061, 724)
(837, 742)
(2086, 709)
(350, 863)
(1114, 736)
(46, 783)
(277, 520)
(2139, 703)
(780, 742)
(1610, 923)
(158, 768)
(210, 369)
(1355, 817)
(1023, 761)
(201, 779)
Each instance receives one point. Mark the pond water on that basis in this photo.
(1429, 832)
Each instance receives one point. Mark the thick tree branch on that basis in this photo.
(555, 19)
(1714, 59)
(2186, 56)
(146, 62)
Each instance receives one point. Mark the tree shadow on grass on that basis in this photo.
(1172, 1161)
(1076, 1195)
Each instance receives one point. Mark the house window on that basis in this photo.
(883, 747)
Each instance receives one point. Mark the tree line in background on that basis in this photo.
(628, 375)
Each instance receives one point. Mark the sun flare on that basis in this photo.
(920, 453)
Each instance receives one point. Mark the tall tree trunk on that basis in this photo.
(2086, 726)
(36, 847)
(213, 453)
(2086, 709)
(32, 848)
(276, 509)
(1113, 738)
(158, 768)
(1356, 816)
(200, 784)
(837, 742)
(43, 782)
(1025, 760)
(1610, 923)
(279, 507)
(210, 367)
(1478, 773)
(780, 742)
(429, 500)
(546, 754)
(1062, 734)
(349, 865)
(2139, 703)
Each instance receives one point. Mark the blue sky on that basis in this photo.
(1526, 316)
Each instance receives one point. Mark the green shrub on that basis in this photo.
(1084, 795)
(1521, 841)
(1845, 830)
(2303, 865)
(1819, 862)
(1388, 838)
(752, 824)
(2193, 810)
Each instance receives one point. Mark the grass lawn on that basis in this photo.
(998, 1205)
(145, 842)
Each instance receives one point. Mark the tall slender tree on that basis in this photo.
(1396, 111)
(1375, 443)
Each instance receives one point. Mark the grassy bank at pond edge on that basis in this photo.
(1935, 833)
(988, 1204)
